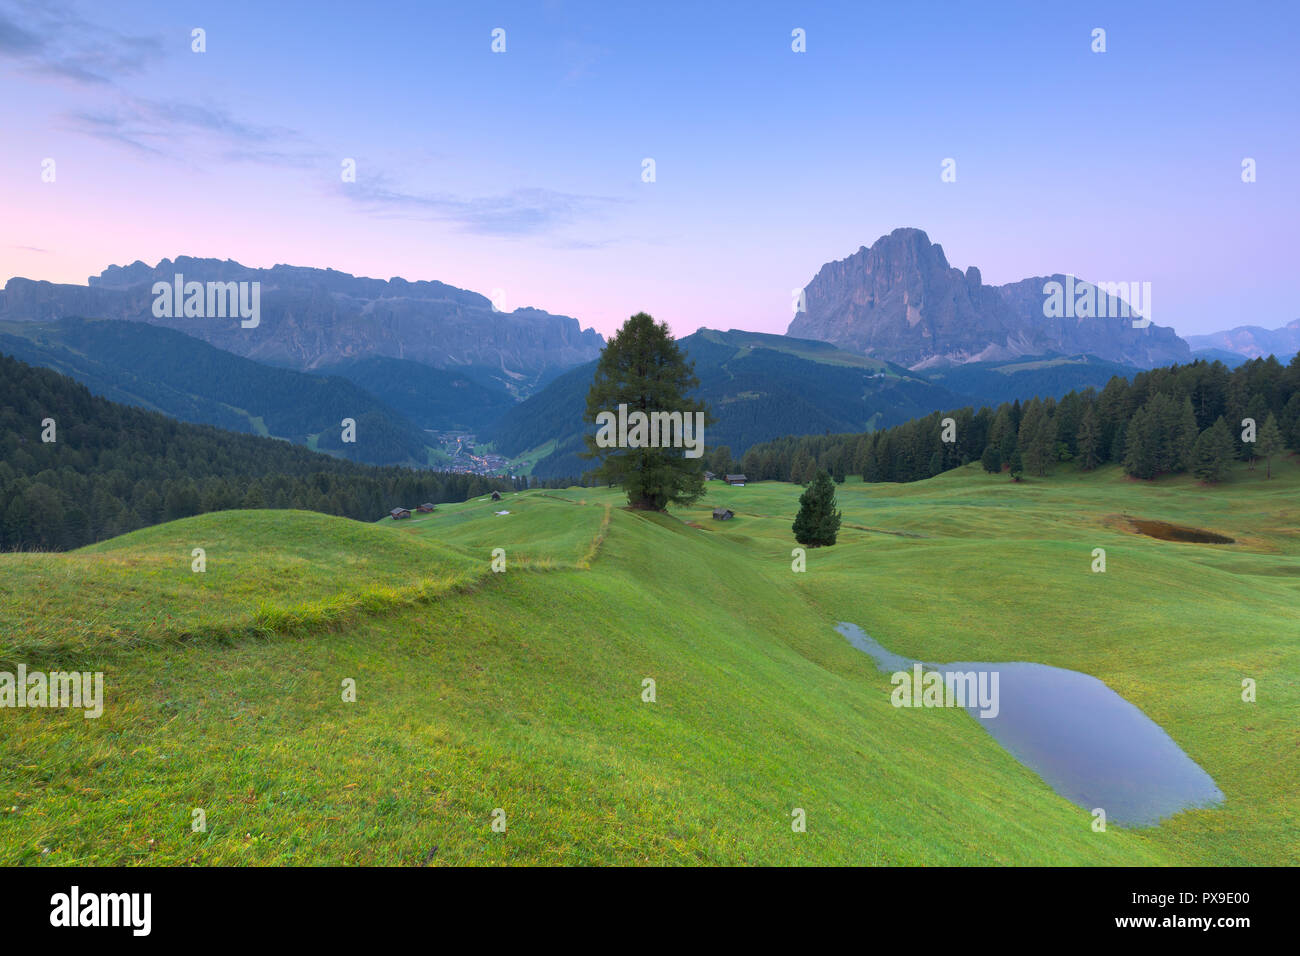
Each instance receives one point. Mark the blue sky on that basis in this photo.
(521, 171)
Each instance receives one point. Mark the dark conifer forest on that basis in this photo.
(1184, 418)
(113, 468)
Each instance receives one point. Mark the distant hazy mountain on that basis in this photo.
(311, 318)
(1252, 341)
(167, 371)
(1230, 359)
(901, 301)
(758, 386)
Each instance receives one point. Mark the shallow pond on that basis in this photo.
(1087, 742)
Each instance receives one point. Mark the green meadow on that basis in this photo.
(522, 691)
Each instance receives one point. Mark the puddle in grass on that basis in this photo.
(1177, 532)
(1087, 742)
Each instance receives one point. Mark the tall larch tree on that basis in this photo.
(642, 367)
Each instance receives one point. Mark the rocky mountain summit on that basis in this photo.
(901, 301)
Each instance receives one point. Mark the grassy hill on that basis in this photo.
(522, 690)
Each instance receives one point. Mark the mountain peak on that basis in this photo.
(902, 245)
(900, 300)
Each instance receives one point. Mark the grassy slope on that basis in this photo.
(522, 690)
(810, 350)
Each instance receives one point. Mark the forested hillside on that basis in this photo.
(1185, 418)
(991, 383)
(112, 468)
(758, 387)
(174, 373)
(437, 398)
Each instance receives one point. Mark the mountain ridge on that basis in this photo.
(312, 317)
(1251, 341)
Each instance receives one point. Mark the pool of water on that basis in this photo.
(1087, 742)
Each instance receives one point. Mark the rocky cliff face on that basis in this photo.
(900, 300)
(319, 317)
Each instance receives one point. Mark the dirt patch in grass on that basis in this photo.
(1176, 532)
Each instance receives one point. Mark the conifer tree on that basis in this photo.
(1269, 443)
(642, 367)
(1088, 440)
(1257, 411)
(1185, 437)
(818, 522)
(1213, 452)
(991, 459)
(1142, 443)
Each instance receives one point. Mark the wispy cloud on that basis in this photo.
(520, 212)
(16, 42)
(305, 158)
(173, 128)
(51, 39)
(107, 125)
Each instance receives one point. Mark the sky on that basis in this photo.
(521, 174)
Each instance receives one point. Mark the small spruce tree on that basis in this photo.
(818, 521)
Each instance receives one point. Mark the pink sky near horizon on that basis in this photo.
(83, 223)
(769, 164)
